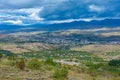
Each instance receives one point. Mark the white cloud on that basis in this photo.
(72, 20)
(79, 19)
(16, 22)
(35, 14)
(17, 16)
(96, 8)
(32, 13)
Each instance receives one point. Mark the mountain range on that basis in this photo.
(108, 23)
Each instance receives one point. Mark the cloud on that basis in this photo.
(57, 11)
(35, 14)
(96, 8)
(72, 20)
(32, 13)
(79, 19)
(17, 22)
(26, 15)
(82, 9)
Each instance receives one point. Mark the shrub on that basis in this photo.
(11, 57)
(34, 64)
(114, 62)
(95, 66)
(20, 64)
(11, 63)
(50, 62)
(1, 55)
(61, 74)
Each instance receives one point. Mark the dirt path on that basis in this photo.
(67, 62)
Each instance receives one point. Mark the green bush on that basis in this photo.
(50, 62)
(20, 63)
(34, 64)
(114, 62)
(11, 57)
(95, 66)
(1, 55)
(61, 74)
(9, 63)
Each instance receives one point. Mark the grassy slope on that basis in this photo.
(101, 50)
(90, 67)
(25, 47)
(75, 72)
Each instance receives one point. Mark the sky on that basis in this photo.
(23, 12)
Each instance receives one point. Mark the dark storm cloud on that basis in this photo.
(84, 9)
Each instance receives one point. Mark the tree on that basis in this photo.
(11, 57)
(20, 64)
(114, 62)
(1, 55)
(50, 62)
(61, 74)
(34, 64)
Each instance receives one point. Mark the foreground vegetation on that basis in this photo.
(44, 66)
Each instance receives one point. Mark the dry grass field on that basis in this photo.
(26, 47)
(100, 50)
(97, 48)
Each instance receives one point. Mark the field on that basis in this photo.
(107, 51)
(25, 47)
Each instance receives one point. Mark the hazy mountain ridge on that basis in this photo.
(108, 23)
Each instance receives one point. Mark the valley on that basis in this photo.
(80, 54)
